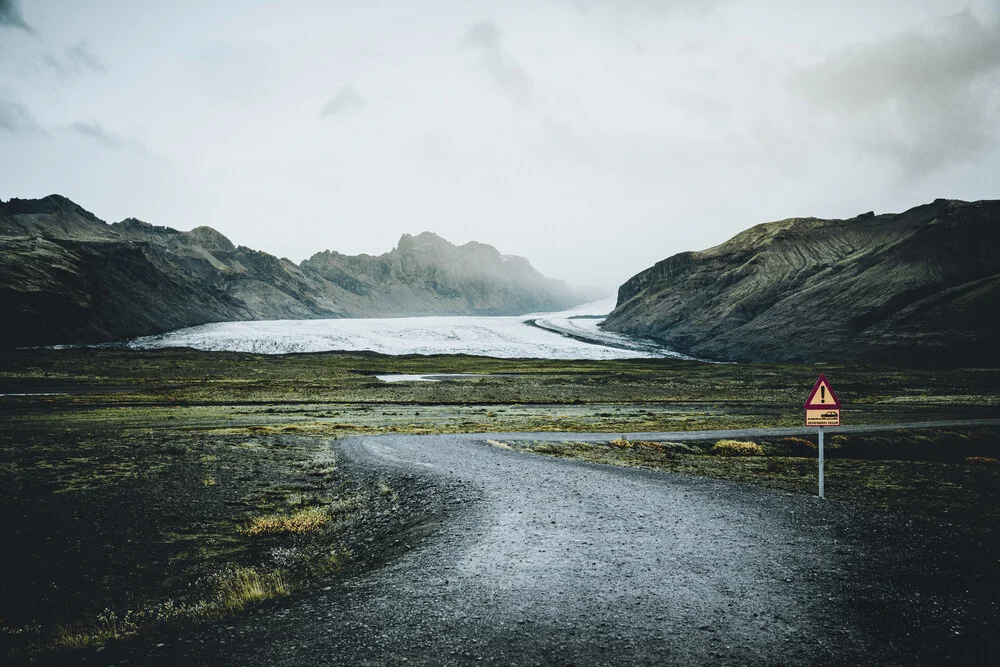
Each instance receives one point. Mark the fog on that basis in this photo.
(593, 137)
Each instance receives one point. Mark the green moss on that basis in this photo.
(108, 483)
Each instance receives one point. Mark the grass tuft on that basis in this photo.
(304, 521)
(737, 448)
(233, 590)
(239, 587)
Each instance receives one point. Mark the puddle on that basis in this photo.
(438, 377)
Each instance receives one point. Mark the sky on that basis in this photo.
(594, 137)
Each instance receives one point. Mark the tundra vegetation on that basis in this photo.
(143, 491)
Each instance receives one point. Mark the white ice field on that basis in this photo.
(566, 335)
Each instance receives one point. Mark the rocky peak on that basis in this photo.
(53, 216)
(136, 226)
(46, 205)
(210, 239)
(422, 242)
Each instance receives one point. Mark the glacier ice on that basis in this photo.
(565, 335)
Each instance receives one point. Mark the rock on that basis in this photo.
(427, 275)
(68, 277)
(919, 287)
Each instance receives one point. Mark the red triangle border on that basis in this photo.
(815, 390)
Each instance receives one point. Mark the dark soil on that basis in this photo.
(512, 559)
(130, 491)
(119, 524)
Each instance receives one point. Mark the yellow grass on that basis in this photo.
(303, 521)
(737, 448)
(243, 586)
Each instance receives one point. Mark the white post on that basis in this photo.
(821, 462)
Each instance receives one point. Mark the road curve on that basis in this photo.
(773, 432)
(534, 560)
(570, 563)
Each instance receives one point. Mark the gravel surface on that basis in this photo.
(506, 558)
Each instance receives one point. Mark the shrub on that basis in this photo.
(303, 521)
(737, 448)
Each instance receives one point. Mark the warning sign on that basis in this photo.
(823, 417)
(822, 406)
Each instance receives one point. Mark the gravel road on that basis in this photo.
(514, 559)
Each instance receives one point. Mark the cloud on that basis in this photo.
(923, 98)
(83, 58)
(346, 98)
(10, 15)
(240, 73)
(110, 140)
(15, 118)
(648, 6)
(505, 71)
(78, 60)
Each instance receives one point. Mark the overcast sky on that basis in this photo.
(594, 137)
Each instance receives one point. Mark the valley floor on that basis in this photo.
(152, 493)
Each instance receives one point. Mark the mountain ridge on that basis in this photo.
(905, 287)
(68, 277)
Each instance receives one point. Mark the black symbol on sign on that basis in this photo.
(822, 394)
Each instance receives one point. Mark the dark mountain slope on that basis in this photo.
(920, 286)
(68, 277)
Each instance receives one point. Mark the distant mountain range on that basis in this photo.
(916, 287)
(68, 277)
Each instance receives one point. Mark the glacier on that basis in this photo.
(570, 334)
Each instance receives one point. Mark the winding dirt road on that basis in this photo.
(519, 560)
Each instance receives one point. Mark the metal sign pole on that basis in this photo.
(821, 462)
(822, 409)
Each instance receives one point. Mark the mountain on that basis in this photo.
(425, 274)
(68, 277)
(916, 287)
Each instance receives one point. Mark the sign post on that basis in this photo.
(821, 462)
(822, 409)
